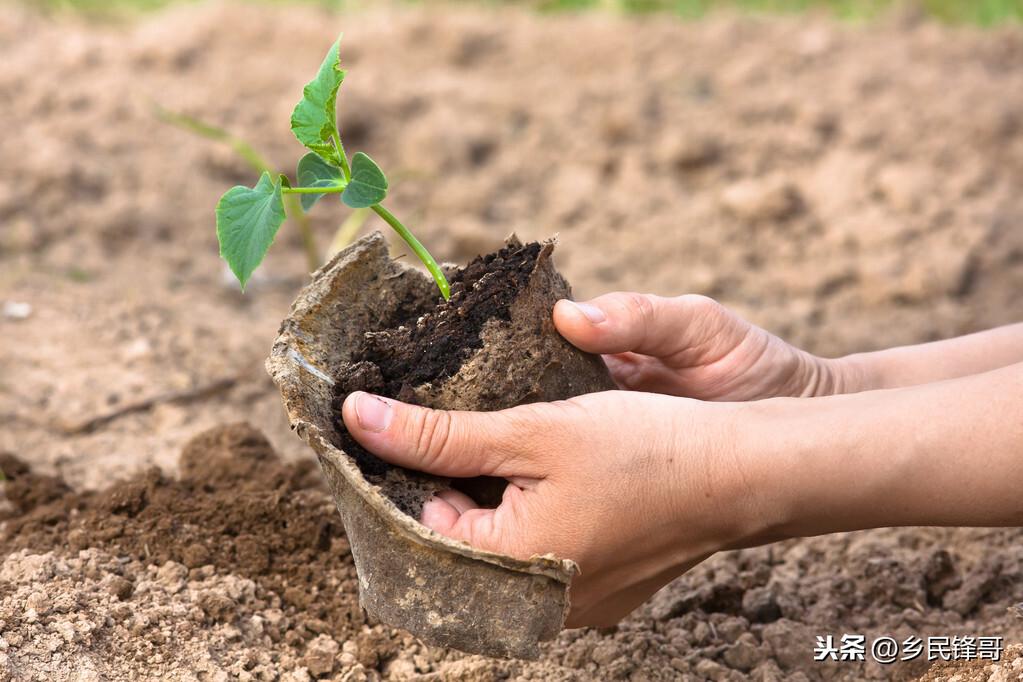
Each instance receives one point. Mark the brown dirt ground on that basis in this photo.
(847, 187)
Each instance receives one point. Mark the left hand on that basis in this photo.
(693, 346)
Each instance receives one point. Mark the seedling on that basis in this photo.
(248, 217)
(345, 233)
(256, 161)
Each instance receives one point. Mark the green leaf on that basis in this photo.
(368, 185)
(247, 221)
(313, 171)
(314, 120)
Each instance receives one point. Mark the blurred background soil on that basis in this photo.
(847, 186)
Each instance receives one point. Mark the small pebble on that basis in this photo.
(17, 310)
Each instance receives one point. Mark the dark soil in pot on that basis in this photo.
(413, 358)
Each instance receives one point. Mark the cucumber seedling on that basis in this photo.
(258, 163)
(248, 217)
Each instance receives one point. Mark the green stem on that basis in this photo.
(313, 190)
(342, 157)
(417, 248)
(293, 208)
(212, 132)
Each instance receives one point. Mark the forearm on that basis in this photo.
(948, 453)
(924, 363)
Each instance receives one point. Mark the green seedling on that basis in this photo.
(248, 217)
(256, 161)
(345, 233)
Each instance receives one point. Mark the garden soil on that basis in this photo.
(849, 187)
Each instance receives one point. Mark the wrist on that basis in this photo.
(817, 377)
(747, 453)
(705, 492)
(854, 374)
(882, 458)
(831, 464)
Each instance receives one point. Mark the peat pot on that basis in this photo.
(368, 322)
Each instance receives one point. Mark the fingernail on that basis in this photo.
(433, 512)
(591, 312)
(374, 414)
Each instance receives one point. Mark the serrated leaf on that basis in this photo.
(368, 185)
(313, 171)
(314, 120)
(247, 221)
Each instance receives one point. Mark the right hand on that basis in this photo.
(692, 346)
(636, 488)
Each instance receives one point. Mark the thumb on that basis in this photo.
(641, 323)
(457, 444)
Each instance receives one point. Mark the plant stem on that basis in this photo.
(390, 219)
(312, 190)
(293, 208)
(212, 132)
(417, 248)
(340, 149)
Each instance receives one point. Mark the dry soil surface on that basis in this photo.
(847, 187)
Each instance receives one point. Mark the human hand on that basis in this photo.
(692, 346)
(634, 487)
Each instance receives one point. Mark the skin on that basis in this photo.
(723, 436)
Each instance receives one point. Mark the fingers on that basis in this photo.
(456, 516)
(459, 444)
(441, 512)
(642, 323)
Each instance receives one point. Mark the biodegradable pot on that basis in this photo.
(443, 591)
